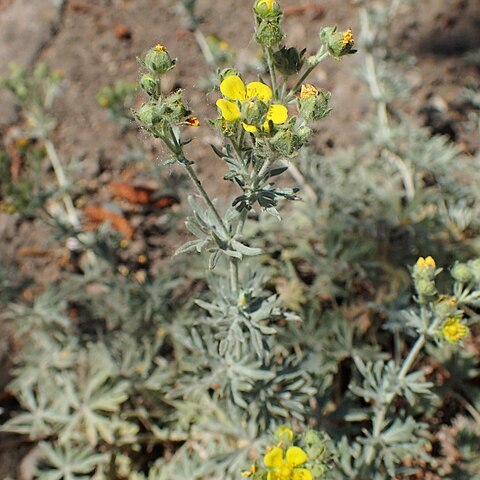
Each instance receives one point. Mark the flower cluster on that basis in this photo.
(162, 112)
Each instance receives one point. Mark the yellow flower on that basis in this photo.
(159, 48)
(234, 90)
(453, 330)
(288, 468)
(425, 264)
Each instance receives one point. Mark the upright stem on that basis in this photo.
(205, 49)
(193, 176)
(320, 56)
(62, 182)
(382, 110)
(273, 73)
(381, 414)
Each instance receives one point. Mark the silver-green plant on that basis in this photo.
(314, 321)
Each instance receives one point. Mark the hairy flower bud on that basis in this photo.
(337, 43)
(254, 112)
(175, 108)
(288, 61)
(313, 103)
(461, 272)
(475, 269)
(150, 85)
(267, 8)
(149, 114)
(158, 60)
(269, 33)
(446, 307)
(426, 288)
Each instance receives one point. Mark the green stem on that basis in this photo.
(273, 73)
(62, 182)
(380, 415)
(177, 150)
(320, 56)
(205, 49)
(194, 177)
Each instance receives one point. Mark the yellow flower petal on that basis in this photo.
(278, 114)
(274, 458)
(230, 111)
(233, 88)
(302, 474)
(296, 456)
(249, 128)
(260, 90)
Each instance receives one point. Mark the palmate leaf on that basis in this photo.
(42, 417)
(68, 462)
(91, 402)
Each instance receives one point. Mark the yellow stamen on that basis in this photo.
(348, 37)
(453, 330)
(160, 48)
(307, 91)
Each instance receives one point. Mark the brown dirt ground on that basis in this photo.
(86, 48)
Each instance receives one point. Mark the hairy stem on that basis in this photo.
(380, 415)
(63, 183)
(273, 73)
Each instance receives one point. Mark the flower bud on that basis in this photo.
(149, 114)
(304, 133)
(426, 288)
(475, 269)
(158, 60)
(461, 272)
(288, 60)
(285, 434)
(227, 72)
(254, 112)
(313, 103)
(288, 142)
(425, 268)
(338, 44)
(174, 107)
(267, 8)
(269, 33)
(446, 307)
(150, 85)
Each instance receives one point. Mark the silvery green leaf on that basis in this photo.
(244, 250)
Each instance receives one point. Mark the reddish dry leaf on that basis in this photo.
(122, 32)
(141, 195)
(97, 215)
(125, 191)
(165, 201)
